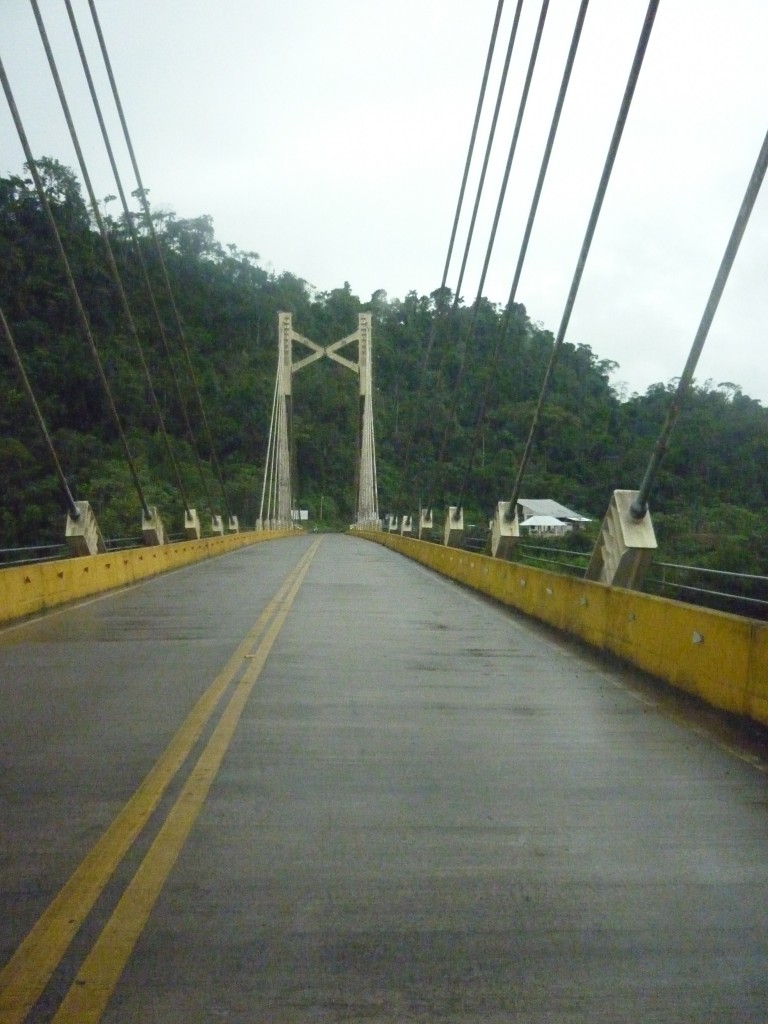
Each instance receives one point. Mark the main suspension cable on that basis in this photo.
(81, 314)
(621, 121)
(470, 332)
(142, 194)
(129, 220)
(74, 511)
(454, 229)
(108, 250)
(639, 506)
(502, 333)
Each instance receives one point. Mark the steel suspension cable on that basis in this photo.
(473, 220)
(142, 194)
(454, 229)
(108, 251)
(470, 333)
(502, 333)
(488, 149)
(639, 506)
(279, 447)
(473, 138)
(267, 462)
(373, 450)
(74, 511)
(602, 188)
(129, 220)
(81, 314)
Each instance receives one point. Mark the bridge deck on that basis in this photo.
(384, 800)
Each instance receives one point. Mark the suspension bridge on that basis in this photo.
(253, 773)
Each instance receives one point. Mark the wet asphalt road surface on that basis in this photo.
(404, 804)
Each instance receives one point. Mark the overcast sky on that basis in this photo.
(329, 136)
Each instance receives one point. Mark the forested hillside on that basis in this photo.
(709, 503)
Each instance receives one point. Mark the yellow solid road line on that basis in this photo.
(91, 990)
(26, 974)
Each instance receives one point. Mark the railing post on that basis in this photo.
(453, 531)
(505, 530)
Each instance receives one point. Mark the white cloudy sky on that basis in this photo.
(330, 136)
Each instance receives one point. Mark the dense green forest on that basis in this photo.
(709, 506)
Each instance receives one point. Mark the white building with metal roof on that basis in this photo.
(530, 507)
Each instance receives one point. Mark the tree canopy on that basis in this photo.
(709, 502)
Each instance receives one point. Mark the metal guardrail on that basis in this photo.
(558, 560)
(731, 599)
(558, 563)
(748, 599)
(31, 554)
(712, 572)
(52, 552)
(122, 543)
(759, 601)
(477, 544)
(579, 567)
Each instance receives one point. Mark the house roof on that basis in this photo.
(542, 521)
(547, 507)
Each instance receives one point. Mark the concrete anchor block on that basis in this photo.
(233, 525)
(191, 524)
(625, 547)
(393, 523)
(217, 525)
(505, 532)
(406, 526)
(83, 535)
(453, 532)
(152, 528)
(426, 522)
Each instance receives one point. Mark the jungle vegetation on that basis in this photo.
(709, 505)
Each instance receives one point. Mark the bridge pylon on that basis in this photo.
(279, 475)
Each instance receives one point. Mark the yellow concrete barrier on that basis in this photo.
(721, 658)
(757, 707)
(27, 589)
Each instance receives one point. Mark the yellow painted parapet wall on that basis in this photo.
(721, 658)
(27, 589)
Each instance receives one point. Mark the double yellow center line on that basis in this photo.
(25, 976)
